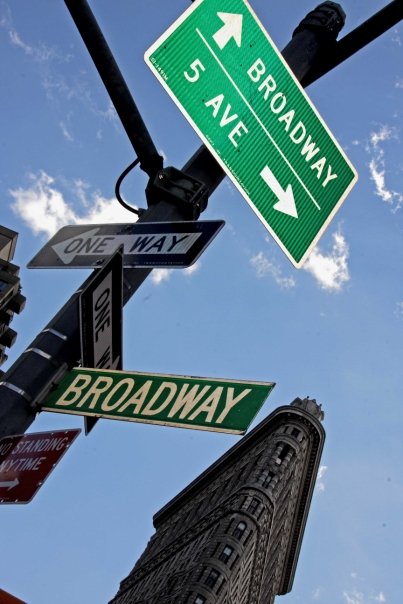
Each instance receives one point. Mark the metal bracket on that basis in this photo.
(179, 188)
(56, 378)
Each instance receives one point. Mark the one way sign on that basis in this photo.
(146, 244)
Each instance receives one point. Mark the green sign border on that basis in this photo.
(220, 405)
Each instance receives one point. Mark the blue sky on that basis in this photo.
(332, 330)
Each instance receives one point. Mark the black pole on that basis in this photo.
(57, 348)
(362, 35)
(150, 160)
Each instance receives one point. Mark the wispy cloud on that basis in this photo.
(399, 309)
(377, 165)
(265, 267)
(66, 133)
(396, 37)
(320, 484)
(192, 269)
(43, 207)
(353, 597)
(330, 270)
(358, 597)
(40, 52)
(159, 275)
(316, 594)
(62, 88)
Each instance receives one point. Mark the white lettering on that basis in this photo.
(148, 409)
(256, 70)
(187, 400)
(319, 165)
(237, 131)
(209, 406)
(216, 102)
(128, 384)
(137, 399)
(330, 176)
(76, 388)
(231, 402)
(101, 384)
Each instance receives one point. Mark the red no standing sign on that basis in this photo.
(27, 460)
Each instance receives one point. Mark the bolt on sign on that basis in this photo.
(26, 460)
(225, 74)
(189, 402)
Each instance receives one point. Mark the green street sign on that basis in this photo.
(170, 400)
(223, 71)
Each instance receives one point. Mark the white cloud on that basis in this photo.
(380, 598)
(399, 309)
(160, 274)
(353, 597)
(193, 268)
(67, 135)
(320, 485)
(399, 83)
(39, 53)
(44, 209)
(377, 165)
(330, 271)
(263, 267)
(396, 37)
(316, 593)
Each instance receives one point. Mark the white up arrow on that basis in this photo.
(9, 484)
(286, 201)
(232, 28)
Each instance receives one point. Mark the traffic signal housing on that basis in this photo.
(11, 299)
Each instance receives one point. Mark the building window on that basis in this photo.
(282, 454)
(199, 599)
(239, 530)
(253, 505)
(295, 432)
(267, 480)
(226, 554)
(212, 577)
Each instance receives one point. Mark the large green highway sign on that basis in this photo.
(170, 400)
(222, 69)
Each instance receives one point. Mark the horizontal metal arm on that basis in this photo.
(362, 35)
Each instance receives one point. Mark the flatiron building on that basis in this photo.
(233, 536)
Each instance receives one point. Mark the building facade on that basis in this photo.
(233, 535)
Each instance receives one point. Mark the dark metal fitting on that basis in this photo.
(179, 188)
(49, 386)
(328, 16)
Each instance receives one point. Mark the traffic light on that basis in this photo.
(11, 299)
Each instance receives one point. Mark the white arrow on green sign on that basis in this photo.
(189, 402)
(222, 69)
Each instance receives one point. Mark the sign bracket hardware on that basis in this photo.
(178, 188)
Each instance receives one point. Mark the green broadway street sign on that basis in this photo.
(222, 69)
(169, 400)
